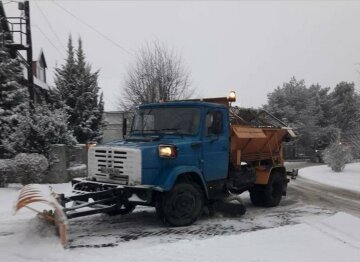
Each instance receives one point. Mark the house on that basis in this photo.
(114, 121)
(15, 42)
(41, 88)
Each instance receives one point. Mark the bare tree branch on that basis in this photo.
(157, 74)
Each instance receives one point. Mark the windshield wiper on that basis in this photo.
(158, 131)
(169, 129)
(173, 131)
(145, 130)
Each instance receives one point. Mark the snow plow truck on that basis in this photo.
(178, 157)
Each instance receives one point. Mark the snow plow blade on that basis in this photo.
(35, 193)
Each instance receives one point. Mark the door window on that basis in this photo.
(213, 123)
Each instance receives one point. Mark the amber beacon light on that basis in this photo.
(232, 96)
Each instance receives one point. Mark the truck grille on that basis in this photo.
(121, 166)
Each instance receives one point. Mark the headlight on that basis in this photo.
(167, 151)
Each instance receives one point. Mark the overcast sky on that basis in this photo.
(250, 47)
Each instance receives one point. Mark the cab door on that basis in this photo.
(215, 145)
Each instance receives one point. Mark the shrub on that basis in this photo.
(7, 170)
(30, 167)
(337, 155)
(42, 128)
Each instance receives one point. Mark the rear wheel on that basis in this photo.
(182, 206)
(268, 195)
(257, 195)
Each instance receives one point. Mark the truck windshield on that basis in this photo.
(169, 120)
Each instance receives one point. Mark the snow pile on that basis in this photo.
(79, 170)
(348, 179)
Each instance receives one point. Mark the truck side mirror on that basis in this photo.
(124, 127)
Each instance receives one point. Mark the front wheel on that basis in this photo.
(182, 206)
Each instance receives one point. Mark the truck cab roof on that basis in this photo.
(183, 104)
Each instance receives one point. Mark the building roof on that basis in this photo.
(4, 25)
(41, 58)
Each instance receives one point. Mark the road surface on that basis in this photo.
(305, 200)
(325, 196)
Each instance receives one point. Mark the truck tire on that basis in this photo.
(268, 195)
(127, 209)
(182, 206)
(257, 195)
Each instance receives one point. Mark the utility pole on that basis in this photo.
(15, 26)
(29, 51)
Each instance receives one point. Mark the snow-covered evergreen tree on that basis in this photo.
(318, 115)
(14, 102)
(66, 80)
(345, 107)
(78, 88)
(303, 109)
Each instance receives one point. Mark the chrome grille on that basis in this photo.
(110, 163)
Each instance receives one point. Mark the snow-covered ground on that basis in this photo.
(293, 231)
(348, 179)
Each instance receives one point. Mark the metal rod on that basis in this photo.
(88, 204)
(29, 52)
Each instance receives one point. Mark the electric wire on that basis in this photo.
(92, 28)
(9, 2)
(47, 38)
(49, 24)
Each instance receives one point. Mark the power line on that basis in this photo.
(11, 1)
(92, 28)
(50, 26)
(42, 32)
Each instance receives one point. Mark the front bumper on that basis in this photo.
(85, 189)
(91, 197)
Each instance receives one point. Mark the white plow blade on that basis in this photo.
(34, 193)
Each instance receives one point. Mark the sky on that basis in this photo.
(247, 46)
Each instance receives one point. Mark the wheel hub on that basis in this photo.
(183, 204)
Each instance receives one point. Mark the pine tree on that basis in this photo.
(79, 90)
(65, 82)
(345, 107)
(306, 110)
(14, 102)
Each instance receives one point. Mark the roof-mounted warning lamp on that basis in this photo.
(232, 96)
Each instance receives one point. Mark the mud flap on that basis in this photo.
(35, 193)
(293, 174)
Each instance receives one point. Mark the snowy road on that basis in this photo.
(307, 201)
(327, 197)
(143, 227)
(307, 214)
